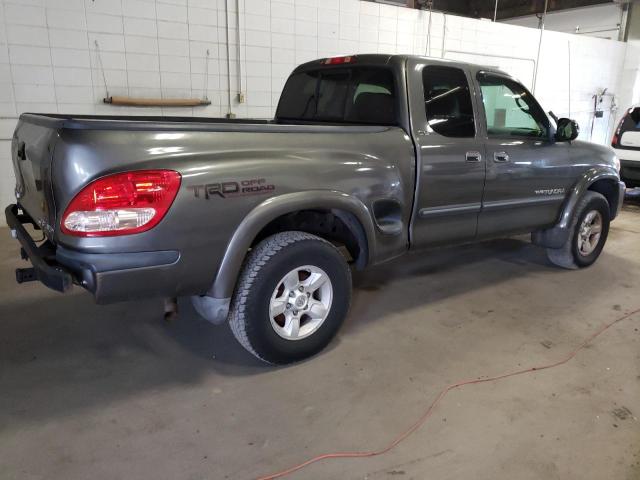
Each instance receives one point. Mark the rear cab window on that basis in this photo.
(631, 121)
(345, 94)
(628, 133)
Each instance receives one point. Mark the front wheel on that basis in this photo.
(587, 234)
(292, 296)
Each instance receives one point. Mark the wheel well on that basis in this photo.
(338, 226)
(609, 189)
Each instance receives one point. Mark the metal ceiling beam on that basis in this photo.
(506, 8)
(511, 9)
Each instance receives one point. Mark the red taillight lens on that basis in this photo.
(338, 60)
(121, 204)
(616, 134)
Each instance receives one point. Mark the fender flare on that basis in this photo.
(274, 207)
(582, 185)
(557, 235)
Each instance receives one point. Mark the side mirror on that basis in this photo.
(567, 130)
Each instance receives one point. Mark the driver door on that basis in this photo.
(528, 174)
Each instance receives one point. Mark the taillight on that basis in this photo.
(121, 204)
(616, 134)
(339, 60)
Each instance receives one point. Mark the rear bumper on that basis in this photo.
(110, 277)
(628, 153)
(630, 172)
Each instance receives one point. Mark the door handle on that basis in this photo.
(500, 157)
(473, 157)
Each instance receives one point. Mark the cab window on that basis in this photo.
(447, 101)
(359, 95)
(510, 109)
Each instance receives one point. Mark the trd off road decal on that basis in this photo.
(240, 188)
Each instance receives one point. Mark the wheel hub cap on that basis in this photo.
(301, 302)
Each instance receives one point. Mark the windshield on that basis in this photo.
(340, 95)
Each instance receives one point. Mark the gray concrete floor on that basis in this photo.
(111, 392)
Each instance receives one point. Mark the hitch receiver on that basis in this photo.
(26, 275)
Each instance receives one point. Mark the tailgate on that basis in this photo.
(31, 152)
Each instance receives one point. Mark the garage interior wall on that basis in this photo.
(49, 59)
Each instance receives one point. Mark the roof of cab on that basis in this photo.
(388, 59)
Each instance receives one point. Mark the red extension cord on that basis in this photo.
(425, 416)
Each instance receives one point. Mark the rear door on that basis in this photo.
(450, 164)
(528, 174)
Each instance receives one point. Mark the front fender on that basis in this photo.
(556, 236)
(272, 208)
(581, 186)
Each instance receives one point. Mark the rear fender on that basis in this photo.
(224, 283)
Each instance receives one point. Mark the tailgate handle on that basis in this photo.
(22, 154)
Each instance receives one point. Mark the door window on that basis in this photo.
(447, 101)
(510, 109)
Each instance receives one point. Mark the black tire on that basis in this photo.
(569, 255)
(264, 268)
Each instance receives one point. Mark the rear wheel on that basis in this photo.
(292, 296)
(587, 234)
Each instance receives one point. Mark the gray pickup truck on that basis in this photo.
(368, 157)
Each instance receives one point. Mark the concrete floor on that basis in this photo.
(111, 392)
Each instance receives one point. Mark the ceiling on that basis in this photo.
(506, 8)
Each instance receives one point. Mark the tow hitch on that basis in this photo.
(42, 257)
(26, 275)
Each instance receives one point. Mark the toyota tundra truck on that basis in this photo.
(261, 222)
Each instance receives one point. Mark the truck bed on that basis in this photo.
(55, 156)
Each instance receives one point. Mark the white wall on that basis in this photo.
(48, 60)
(630, 83)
